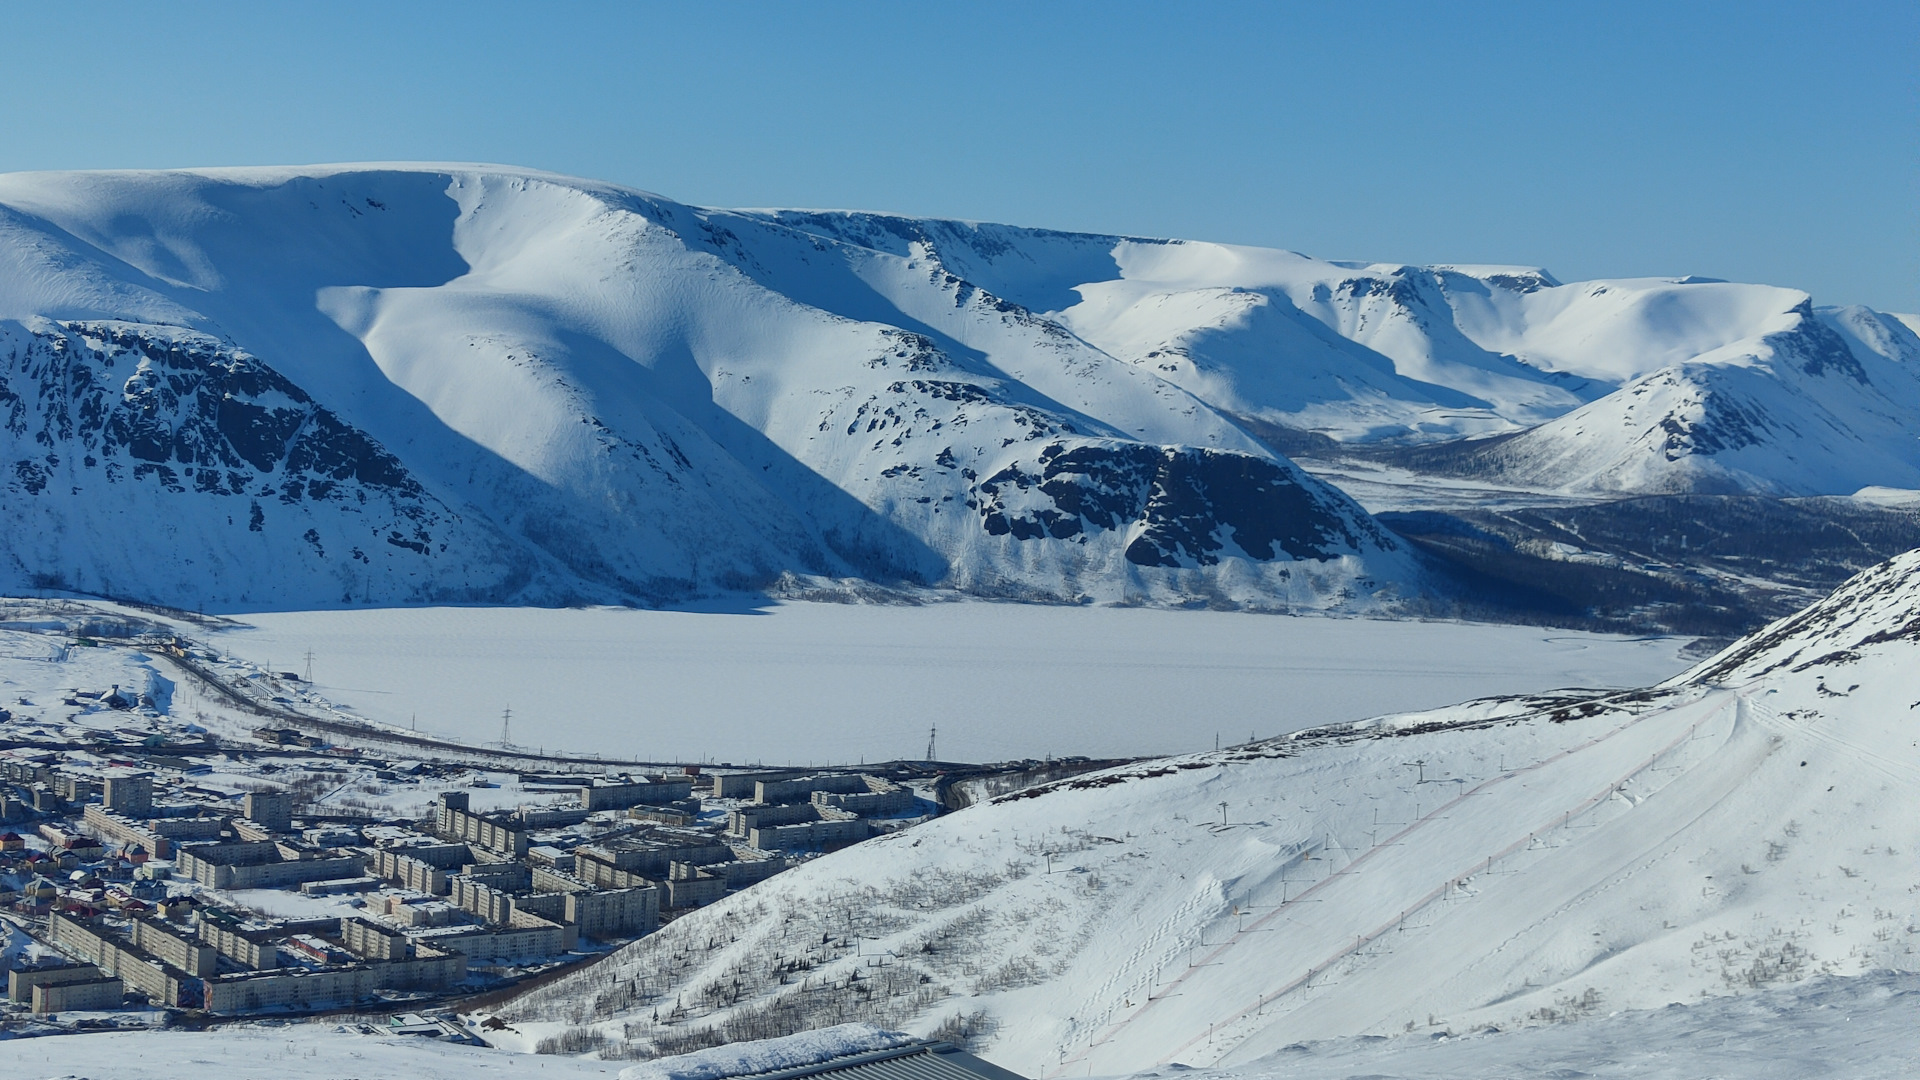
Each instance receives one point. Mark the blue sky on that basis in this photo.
(1755, 141)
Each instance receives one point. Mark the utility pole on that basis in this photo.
(309, 665)
(931, 732)
(1223, 813)
(506, 727)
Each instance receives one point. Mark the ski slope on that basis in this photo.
(1506, 862)
(1841, 1028)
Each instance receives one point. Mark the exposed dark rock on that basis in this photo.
(1191, 506)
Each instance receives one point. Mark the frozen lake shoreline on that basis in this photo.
(808, 682)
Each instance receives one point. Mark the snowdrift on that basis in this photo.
(1504, 862)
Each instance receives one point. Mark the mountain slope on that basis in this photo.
(1502, 862)
(160, 460)
(1803, 409)
(628, 399)
(1636, 386)
(623, 398)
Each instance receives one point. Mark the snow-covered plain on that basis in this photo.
(812, 682)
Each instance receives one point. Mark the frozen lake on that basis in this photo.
(824, 683)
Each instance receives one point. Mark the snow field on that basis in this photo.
(314, 1051)
(1839, 1028)
(807, 682)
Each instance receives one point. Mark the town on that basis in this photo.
(154, 866)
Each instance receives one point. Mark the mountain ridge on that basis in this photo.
(621, 398)
(587, 377)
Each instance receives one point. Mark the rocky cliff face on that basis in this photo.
(155, 461)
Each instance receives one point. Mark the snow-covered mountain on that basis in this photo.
(1503, 862)
(1640, 386)
(582, 391)
(1818, 402)
(150, 458)
(536, 388)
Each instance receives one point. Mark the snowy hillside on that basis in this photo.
(1839, 1028)
(1844, 1029)
(154, 456)
(313, 1051)
(1820, 403)
(586, 391)
(1761, 393)
(1504, 862)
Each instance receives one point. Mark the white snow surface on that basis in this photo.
(1508, 862)
(1859, 1028)
(314, 1051)
(768, 1055)
(1840, 1028)
(343, 384)
(812, 682)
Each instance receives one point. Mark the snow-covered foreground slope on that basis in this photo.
(1501, 862)
(288, 1052)
(840, 682)
(1840, 1028)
